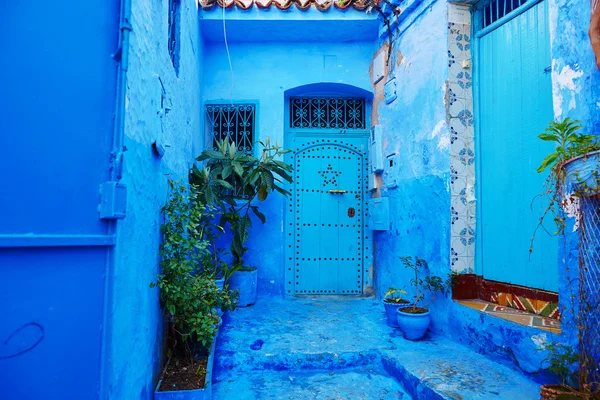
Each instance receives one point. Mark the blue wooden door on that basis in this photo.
(515, 105)
(328, 214)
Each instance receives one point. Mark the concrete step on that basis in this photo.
(304, 337)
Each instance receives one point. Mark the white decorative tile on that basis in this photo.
(470, 264)
(458, 247)
(456, 145)
(456, 108)
(459, 226)
(462, 149)
(460, 207)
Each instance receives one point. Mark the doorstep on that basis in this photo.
(514, 315)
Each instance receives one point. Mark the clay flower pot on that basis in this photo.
(552, 392)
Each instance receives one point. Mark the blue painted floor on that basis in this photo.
(326, 348)
(363, 383)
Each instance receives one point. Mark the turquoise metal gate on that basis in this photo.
(514, 106)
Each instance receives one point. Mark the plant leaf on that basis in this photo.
(226, 172)
(550, 158)
(260, 215)
(549, 137)
(262, 193)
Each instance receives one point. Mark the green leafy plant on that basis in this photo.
(570, 143)
(189, 295)
(393, 295)
(576, 383)
(562, 361)
(430, 283)
(235, 181)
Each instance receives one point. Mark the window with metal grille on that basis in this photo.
(327, 112)
(235, 122)
(496, 9)
(173, 39)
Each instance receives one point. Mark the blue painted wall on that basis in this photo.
(415, 127)
(263, 72)
(419, 206)
(169, 113)
(576, 94)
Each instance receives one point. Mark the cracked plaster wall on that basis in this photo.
(137, 322)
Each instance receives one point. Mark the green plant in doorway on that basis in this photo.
(235, 180)
(189, 296)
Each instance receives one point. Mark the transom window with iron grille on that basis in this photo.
(497, 9)
(235, 122)
(327, 113)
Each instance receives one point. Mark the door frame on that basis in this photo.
(290, 134)
(476, 35)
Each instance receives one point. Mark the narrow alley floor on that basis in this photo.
(342, 348)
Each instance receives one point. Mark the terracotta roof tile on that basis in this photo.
(321, 5)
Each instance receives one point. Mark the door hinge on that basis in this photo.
(113, 200)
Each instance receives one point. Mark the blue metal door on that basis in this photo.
(328, 211)
(515, 105)
(56, 127)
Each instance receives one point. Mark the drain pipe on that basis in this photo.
(122, 57)
(112, 196)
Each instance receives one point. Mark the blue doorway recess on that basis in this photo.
(329, 214)
(514, 106)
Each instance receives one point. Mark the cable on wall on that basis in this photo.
(228, 57)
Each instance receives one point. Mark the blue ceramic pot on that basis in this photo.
(390, 313)
(246, 282)
(220, 283)
(413, 326)
(582, 173)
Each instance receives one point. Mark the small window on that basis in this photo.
(174, 16)
(233, 121)
(327, 112)
(497, 9)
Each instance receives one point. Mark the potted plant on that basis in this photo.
(562, 362)
(391, 302)
(234, 181)
(190, 297)
(414, 320)
(213, 263)
(573, 179)
(573, 168)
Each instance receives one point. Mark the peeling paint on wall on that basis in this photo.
(564, 84)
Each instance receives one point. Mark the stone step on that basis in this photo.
(305, 339)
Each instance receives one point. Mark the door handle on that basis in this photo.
(337, 191)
